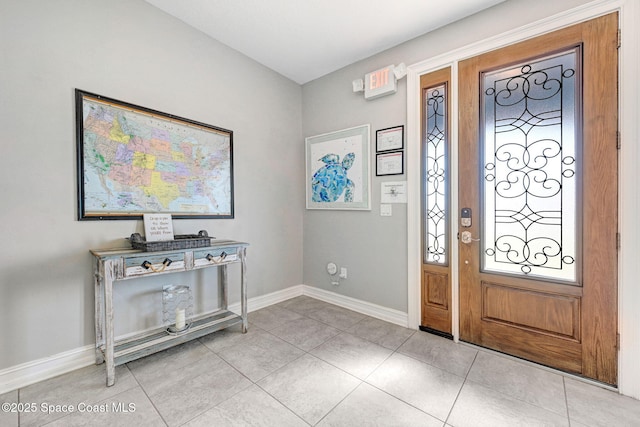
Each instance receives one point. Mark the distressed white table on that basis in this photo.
(112, 265)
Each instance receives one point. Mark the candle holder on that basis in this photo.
(177, 308)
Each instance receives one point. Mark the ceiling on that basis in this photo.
(306, 39)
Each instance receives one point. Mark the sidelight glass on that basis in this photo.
(531, 117)
(434, 177)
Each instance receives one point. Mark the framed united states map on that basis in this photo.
(133, 160)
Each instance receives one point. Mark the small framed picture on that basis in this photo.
(390, 139)
(391, 163)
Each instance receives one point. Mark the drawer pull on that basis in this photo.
(148, 266)
(212, 259)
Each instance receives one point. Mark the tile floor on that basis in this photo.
(308, 363)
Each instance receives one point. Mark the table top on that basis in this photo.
(115, 252)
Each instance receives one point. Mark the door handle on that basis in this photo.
(465, 237)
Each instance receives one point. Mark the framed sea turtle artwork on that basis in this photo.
(338, 172)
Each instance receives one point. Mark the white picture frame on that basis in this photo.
(338, 172)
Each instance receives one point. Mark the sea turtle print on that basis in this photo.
(330, 181)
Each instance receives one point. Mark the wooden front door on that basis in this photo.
(538, 177)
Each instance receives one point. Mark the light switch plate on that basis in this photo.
(386, 209)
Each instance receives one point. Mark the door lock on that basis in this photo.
(465, 217)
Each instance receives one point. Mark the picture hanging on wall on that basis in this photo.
(390, 139)
(133, 160)
(391, 163)
(338, 171)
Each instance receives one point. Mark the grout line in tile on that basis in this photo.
(405, 402)
(566, 399)
(280, 402)
(152, 402)
(342, 400)
(397, 397)
(433, 366)
(407, 339)
(379, 365)
(461, 387)
(147, 394)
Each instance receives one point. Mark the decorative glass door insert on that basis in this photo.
(435, 178)
(531, 162)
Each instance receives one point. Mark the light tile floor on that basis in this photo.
(305, 362)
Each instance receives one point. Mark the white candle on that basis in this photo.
(180, 318)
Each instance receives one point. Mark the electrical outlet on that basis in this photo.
(332, 268)
(343, 272)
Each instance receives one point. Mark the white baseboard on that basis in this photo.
(262, 301)
(383, 313)
(35, 371)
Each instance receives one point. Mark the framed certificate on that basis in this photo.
(390, 139)
(390, 163)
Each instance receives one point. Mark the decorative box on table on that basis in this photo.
(180, 241)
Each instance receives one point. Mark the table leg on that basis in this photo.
(243, 288)
(99, 307)
(109, 340)
(224, 280)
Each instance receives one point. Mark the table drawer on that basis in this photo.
(149, 264)
(215, 256)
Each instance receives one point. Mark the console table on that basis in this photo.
(112, 265)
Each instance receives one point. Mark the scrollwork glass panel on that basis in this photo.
(530, 166)
(434, 152)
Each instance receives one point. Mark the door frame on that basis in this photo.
(629, 156)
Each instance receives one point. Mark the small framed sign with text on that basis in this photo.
(158, 227)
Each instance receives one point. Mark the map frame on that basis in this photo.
(164, 121)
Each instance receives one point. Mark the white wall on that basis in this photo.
(127, 50)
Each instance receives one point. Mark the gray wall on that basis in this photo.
(374, 248)
(127, 50)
